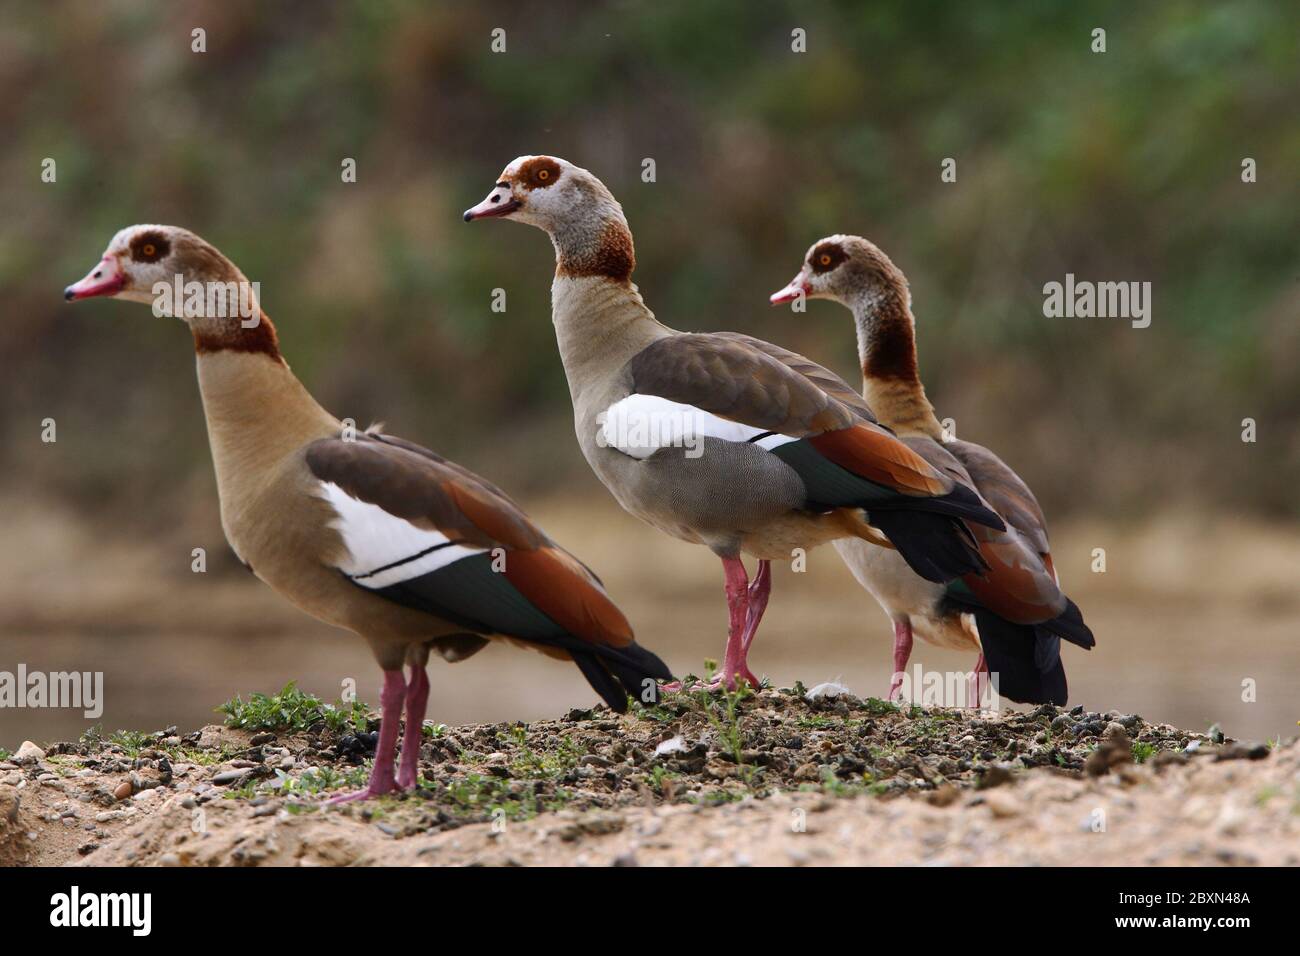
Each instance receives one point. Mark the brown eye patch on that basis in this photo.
(826, 257)
(149, 247)
(539, 172)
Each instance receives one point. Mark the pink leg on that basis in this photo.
(745, 605)
(381, 777)
(417, 699)
(978, 680)
(902, 651)
(759, 589)
(738, 605)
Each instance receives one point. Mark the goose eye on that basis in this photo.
(148, 249)
(825, 259)
(543, 174)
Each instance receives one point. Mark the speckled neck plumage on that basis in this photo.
(595, 241)
(600, 318)
(891, 383)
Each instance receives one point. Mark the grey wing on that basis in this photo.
(1004, 490)
(822, 377)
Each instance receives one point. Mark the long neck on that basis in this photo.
(257, 411)
(887, 350)
(600, 319)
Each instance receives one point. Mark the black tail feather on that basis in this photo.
(1069, 626)
(616, 673)
(1024, 660)
(961, 502)
(935, 546)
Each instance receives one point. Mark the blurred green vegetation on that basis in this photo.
(1116, 166)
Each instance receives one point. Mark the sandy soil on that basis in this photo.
(771, 779)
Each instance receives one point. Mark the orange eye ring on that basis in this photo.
(825, 259)
(543, 174)
(148, 249)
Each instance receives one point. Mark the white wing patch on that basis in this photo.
(384, 549)
(641, 425)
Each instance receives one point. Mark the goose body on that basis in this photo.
(1014, 614)
(369, 532)
(718, 438)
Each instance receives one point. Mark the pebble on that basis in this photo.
(228, 776)
(996, 776)
(673, 745)
(1242, 752)
(827, 691)
(122, 790)
(29, 751)
(169, 859)
(1002, 805)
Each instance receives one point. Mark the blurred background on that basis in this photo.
(1117, 166)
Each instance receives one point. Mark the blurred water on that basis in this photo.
(1167, 652)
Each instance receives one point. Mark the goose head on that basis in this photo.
(583, 219)
(143, 263)
(845, 269)
(547, 192)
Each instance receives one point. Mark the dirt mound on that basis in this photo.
(780, 777)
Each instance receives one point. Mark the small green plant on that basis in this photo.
(312, 780)
(544, 765)
(476, 794)
(656, 712)
(1143, 751)
(660, 776)
(1267, 793)
(833, 786)
(717, 797)
(132, 741)
(4, 754)
(246, 792)
(878, 708)
(724, 714)
(293, 710)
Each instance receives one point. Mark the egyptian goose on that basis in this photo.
(719, 438)
(1014, 614)
(365, 531)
